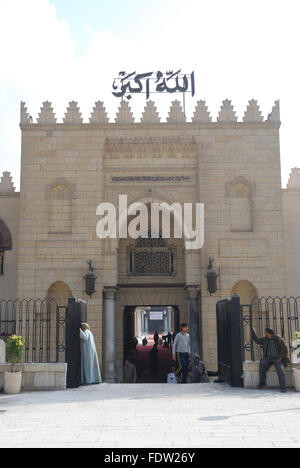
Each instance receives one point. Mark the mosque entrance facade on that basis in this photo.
(69, 168)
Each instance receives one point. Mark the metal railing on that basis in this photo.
(40, 322)
(280, 313)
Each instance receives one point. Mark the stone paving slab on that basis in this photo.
(162, 416)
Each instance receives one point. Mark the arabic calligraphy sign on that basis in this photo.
(147, 83)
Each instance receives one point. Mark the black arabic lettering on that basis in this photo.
(124, 82)
(170, 82)
(164, 83)
(138, 79)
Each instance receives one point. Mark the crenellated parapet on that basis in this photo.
(227, 113)
(73, 114)
(7, 184)
(294, 180)
(99, 114)
(150, 115)
(46, 116)
(253, 113)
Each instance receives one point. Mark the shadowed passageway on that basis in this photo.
(143, 361)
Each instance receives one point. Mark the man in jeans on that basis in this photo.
(182, 351)
(275, 353)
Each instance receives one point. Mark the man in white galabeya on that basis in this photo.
(182, 351)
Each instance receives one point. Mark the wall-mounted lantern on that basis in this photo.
(90, 280)
(211, 278)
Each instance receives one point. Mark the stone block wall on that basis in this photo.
(291, 211)
(251, 375)
(9, 216)
(39, 376)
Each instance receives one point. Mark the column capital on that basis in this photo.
(193, 291)
(110, 292)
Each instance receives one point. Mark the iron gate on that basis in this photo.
(234, 324)
(76, 315)
(280, 313)
(41, 323)
(51, 331)
(229, 338)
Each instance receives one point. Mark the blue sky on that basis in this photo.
(123, 17)
(63, 50)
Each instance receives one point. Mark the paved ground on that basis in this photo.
(128, 416)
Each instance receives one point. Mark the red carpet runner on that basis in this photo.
(142, 361)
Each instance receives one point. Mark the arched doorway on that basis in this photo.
(151, 297)
(245, 290)
(140, 325)
(59, 292)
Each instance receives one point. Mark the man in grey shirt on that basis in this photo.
(182, 351)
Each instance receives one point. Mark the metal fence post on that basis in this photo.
(236, 342)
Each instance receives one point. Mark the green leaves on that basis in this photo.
(14, 350)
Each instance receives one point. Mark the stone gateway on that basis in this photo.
(69, 168)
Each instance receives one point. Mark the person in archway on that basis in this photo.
(90, 369)
(181, 352)
(154, 362)
(145, 342)
(169, 340)
(275, 354)
(129, 373)
(134, 344)
(156, 338)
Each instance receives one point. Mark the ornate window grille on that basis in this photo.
(152, 257)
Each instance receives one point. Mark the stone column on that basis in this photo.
(138, 324)
(110, 334)
(170, 320)
(194, 318)
(166, 321)
(147, 324)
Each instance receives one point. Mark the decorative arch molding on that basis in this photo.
(60, 291)
(60, 195)
(239, 193)
(246, 290)
(240, 181)
(5, 237)
(61, 182)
